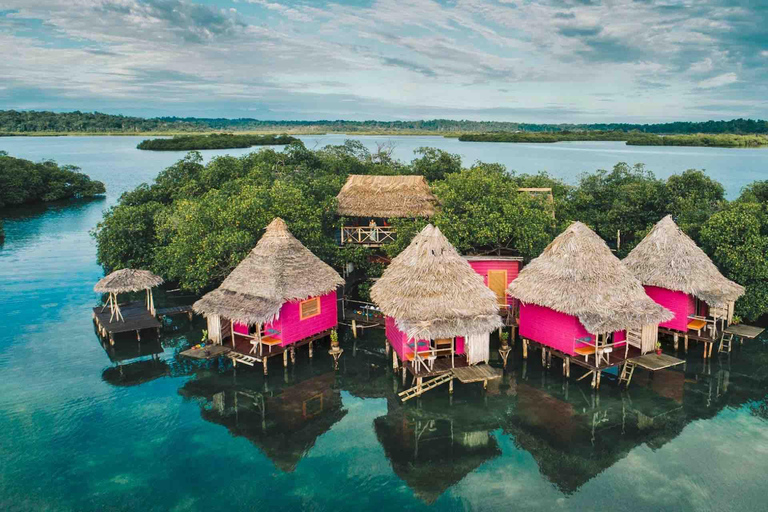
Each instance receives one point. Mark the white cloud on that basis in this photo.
(719, 81)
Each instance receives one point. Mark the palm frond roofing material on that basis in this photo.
(127, 280)
(386, 197)
(432, 292)
(278, 270)
(577, 274)
(668, 258)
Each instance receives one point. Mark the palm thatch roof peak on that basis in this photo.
(386, 197)
(127, 280)
(432, 292)
(577, 274)
(670, 259)
(278, 270)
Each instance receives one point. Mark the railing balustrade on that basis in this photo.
(367, 235)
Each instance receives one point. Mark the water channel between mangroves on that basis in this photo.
(135, 426)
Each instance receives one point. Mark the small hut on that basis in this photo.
(369, 202)
(677, 274)
(579, 299)
(124, 281)
(498, 272)
(436, 305)
(279, 295)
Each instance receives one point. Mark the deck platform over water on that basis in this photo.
(136, 318)
(655, 362)
(744, 331)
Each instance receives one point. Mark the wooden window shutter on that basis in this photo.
(497, 281)
(309, 308)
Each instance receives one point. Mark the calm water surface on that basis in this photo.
(89, 427)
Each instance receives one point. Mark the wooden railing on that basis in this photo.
(371, 236)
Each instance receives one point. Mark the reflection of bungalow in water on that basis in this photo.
(432, 453)
(368, 203)
(579, 300)
(284, 424)
(498, 273)
(439, 313)
(677, 274)
(279, 297)
(573, 439)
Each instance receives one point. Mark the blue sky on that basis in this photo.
(516, 60)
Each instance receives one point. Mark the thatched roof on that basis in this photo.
(127, 280)
(278, 270)
(668, 258)
(386, 197)
(432, 292)
(577, 274)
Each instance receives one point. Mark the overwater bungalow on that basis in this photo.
(579, 302)
(367, 203)
(279, 297)
(439, 314)
(677, 274)
(115, 318)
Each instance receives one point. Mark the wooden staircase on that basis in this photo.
(425, 386)
(726, 342)
(626, 373)
(242, 358)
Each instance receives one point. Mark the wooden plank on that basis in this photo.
(745, 331)
(135, 318)
(174, 310)
(209, 352)
(654, 362)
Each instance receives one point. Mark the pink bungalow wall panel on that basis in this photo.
(680, 303)
(551, 328)
(294, 329)
(483, 266)
(399, 340)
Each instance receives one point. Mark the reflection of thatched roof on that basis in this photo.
(127, 280)
(432, 292)
(278, 270)
(668, 258)
(577, 274)
(386, 197)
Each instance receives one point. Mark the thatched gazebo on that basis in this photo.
(276, 288)
(676, 272)
(127, 280)
(578, 291)
(429, 292)
(370, 201)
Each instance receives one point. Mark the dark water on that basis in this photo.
(92, 427)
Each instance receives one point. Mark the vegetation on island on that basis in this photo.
(196, 221)
(631, 138)
(23, 182)
(35, 122)
(214, 141)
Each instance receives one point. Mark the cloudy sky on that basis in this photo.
(517, 60)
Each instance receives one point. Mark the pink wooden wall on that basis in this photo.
(483, 266)
(399, 340)
(551, 328)
(680, 303)
(294, 329)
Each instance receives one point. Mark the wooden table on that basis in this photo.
(697, 325)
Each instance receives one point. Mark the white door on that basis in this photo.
(477, 348)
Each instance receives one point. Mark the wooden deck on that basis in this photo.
(136, 318)
(477, 373)
(745, 331)
(175, 310)
(655, 362)
(207, 352)
(441, 366)
(240, 350)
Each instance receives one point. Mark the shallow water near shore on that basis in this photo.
(87, 426)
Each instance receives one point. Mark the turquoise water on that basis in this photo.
(89, 427)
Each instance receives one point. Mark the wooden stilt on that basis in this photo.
(386, 347)
(293, 354)
(310, 350)
(138, 335)
(285, 359)
(404, 375)
(525, 348)
(354, 328)
(394, 360)
(450, 386)
(685, 343)
(264, 362)
(543, 357)
(676, 339)
(710, 349)
(568, 367)
(485, 384)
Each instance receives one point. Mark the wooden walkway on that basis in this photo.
(745, 331)
(136, 318)
(207, 352)
(655, 362)
(477, 373)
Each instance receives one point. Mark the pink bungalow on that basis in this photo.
(439, 313)
(279, 296)
(578, 299)
(677, 274)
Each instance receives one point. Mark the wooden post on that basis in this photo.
(394, 360)
(525, 348)
(450, 386)
(543, 357)
(386, 347)
(404, 375)
(138, 335)
(686, 343)
(568, 367)
(676, 338)
(285, 358)
(354, 328)
(232, 331)
(310, 350)
(264, 362)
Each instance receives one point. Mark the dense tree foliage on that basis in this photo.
(559, 136)
(196, 221)
(214, 141)
(30, 121)
(23, 181)
(699, 139)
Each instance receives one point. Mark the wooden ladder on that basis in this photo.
(626, 373)
(242, 358)
(725, 342)
(426, 386)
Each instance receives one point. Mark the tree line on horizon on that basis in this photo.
(197, 221)
(13, 121)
